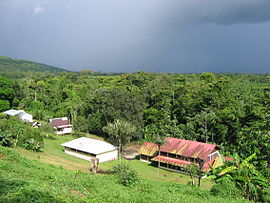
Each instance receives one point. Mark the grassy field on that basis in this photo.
(54, 154)
(23, 181)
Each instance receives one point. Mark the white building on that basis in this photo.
(20, 113)
(62, 125)
(87, 148)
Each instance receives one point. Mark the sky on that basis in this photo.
(182, 36)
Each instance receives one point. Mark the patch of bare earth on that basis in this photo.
(131, 151)
(76, 193)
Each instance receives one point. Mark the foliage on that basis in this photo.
(127, 176)
(32, 144)
(121, 133)
(6, 139)
(265, 195)
(230, 110)
(16, 66)
(7, 93)
(225, 187)
(192, 169)
(23, 180)
(245, 176)
(14, 132)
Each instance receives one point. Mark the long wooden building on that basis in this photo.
(176, 154)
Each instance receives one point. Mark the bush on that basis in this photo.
(265, 195)
(127, 176)
(225, 187)
(32, 144)
(6, 139)
(18, 133)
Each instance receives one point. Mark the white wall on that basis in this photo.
(102, 157)
(79, 155)
(108, 156)
(65, 131)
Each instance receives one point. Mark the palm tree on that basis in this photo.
(159, 141)
(121, 131)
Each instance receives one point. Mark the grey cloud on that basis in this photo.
(221, 11)
(131, 35)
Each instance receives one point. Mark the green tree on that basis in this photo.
(121, 133)
(192, 169)
(159, 142)
(7, 93)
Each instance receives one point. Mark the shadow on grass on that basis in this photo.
(15, 190)
(100, 171)
(7, 185)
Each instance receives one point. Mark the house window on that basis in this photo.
(163, 153)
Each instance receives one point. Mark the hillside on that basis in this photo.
(23, 180)
(10, 65)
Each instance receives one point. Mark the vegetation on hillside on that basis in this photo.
(22, 180)
(17, 68)
(230, 110)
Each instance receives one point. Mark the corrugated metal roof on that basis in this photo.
(13, 112)
(214, 163)
(188, 148)
(60, 122)
(148, 149)
(89, 145)
(172, 161)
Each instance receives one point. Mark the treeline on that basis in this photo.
(230, 110)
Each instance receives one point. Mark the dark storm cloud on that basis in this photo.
(232, 11)
(130, 35)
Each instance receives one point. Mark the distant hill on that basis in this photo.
(17, 66)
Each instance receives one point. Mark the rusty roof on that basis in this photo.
(188, 148)
(60, 122)
(214, 163)
(148, 149)
(172, 161)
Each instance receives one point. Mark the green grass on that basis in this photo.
(23, 180)
(53, 153)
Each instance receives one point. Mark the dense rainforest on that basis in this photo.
(230, 110)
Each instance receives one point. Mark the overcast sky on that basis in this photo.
(130, 35)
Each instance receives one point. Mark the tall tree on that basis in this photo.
(7, 93)
(121, 133)
(159, 142)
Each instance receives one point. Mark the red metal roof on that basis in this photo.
(58, 122)
(188, 148)
(214, 163)
(172, 161)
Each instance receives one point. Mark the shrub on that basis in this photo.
(225, 187)
(127, 176)
(32, 144)
(18, 133)
(6, 139)
(265, 195)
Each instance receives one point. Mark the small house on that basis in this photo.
(176, 154)
(87, 148)
(21, 114)
(62, 125)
